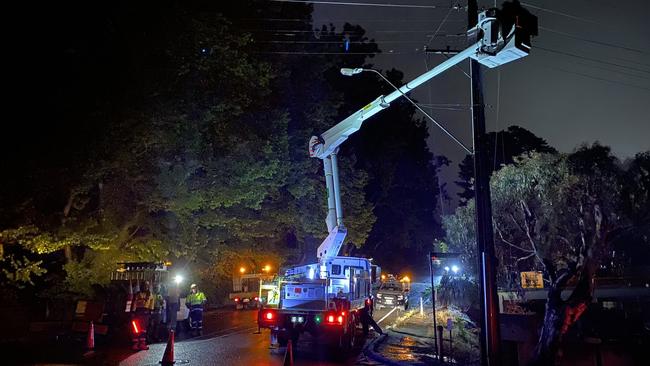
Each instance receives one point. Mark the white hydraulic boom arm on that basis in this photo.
(492, 49)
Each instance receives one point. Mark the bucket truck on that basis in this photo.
(325, 298)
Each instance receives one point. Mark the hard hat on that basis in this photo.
(193, 285)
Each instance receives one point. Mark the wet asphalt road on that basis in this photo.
(230, 339)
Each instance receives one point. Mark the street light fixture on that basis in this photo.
(446, 268)
(455, 268)
(266, 268)
(349, 72)
(242, 270)
(178, 279)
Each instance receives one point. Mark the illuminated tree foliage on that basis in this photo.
(204, 162)
(558, 214)
(502, 148)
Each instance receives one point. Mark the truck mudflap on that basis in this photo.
(332, 327)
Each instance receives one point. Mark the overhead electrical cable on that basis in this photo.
(370, 41)
(596, 77)
(354, 3)
(347, 20)
(569, 35)
(348, 32)
(496, 123)
(439, 26)
(590, 59)
(551, 11)
(337, 53)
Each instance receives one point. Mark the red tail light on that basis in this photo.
(335, 319)
(268, 316)
(256, 298)
(236, 299)
(135, 327)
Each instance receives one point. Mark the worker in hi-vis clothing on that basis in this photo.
(144, 304)
(195, 301)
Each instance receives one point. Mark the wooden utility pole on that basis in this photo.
(490, 333)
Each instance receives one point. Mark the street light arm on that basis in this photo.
(324, 145)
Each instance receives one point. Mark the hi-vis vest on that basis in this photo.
(196, 299)
(143, 300)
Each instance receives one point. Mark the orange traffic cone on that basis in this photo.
(168, 356)
(90, 340)
(288, 356)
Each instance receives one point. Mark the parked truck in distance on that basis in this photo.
(247, 290)
(393, 293)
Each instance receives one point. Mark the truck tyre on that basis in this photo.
(347, 338)
(283, 340)
(352, 330)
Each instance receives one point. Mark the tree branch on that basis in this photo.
(528, 214)
(512, 217)
(509, 243)
(526, 257)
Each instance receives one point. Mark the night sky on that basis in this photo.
(590, 83)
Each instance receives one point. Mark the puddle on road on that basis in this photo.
(408, 349)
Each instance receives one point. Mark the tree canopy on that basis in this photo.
(559, 214)
(198, 150)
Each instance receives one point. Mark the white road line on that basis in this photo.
(386, 316)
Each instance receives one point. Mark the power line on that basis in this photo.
(351, 3)
(439, 26)
(596, 77)
(590, 59)
(496, 122)
(440, 192)
(551, 11)
(347, 32)
(336, 53)
(569, 35)
(369, 42)
(616, 71)
(348, 20)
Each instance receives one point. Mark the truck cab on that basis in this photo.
(392, 293)
(248, 289)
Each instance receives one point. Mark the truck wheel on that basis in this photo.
(346, 339)
(344, 344)
(352, 330)
(283, 340)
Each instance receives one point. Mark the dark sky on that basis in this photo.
(590, 83)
